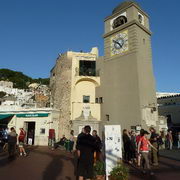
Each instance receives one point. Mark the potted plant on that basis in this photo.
(119, 172)
(99, 170)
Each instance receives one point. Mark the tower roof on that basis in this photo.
(124, 5)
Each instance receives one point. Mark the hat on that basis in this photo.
(145, 132)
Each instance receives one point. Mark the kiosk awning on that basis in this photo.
(3, 116)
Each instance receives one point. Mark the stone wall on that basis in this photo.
(61, 92)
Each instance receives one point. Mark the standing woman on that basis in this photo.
(21, 139)
(127, 146)
(133, 145)
(154, 141)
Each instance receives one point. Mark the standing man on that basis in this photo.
(12, 140)
(85, 150)
(154, 142)
(98, 145)
(79, 135)
(21, 140)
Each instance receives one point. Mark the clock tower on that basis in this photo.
(127, 80)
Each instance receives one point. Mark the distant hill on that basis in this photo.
(20, 80)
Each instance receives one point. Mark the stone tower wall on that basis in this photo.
(61, 92)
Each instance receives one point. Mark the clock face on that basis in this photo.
(119, 43)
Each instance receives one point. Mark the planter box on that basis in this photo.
(111, 178)
(99, 177)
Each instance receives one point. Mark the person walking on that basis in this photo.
(127, 147)
(143, 149)
(169, 140)
(21, 139)
(98, 145)
(178, 140)
(85, 150)
(154, 142)
(12, 140)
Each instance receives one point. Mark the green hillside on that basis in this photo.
(19, 79)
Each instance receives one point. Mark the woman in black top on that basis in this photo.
(127, 146)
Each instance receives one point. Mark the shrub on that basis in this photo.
(119, 172)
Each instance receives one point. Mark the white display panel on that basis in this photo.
(113, 146)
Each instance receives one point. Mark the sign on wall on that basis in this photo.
(86, 111)
(33, 115)
(113, 146)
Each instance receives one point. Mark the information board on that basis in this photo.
(113, 146)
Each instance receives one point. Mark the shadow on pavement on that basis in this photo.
(55, 167)
(7, 160)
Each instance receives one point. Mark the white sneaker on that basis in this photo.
(20, 154)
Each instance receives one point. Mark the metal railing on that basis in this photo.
(87, 72)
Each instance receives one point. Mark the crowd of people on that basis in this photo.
(13, 141)
(143, 150)
(140, 150)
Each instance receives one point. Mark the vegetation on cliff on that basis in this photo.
(20, 80)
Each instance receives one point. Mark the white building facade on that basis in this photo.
(36, 122)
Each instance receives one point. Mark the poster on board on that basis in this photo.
(113, 146)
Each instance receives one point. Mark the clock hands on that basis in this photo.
(118, 43)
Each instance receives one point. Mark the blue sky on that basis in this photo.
(33, 32)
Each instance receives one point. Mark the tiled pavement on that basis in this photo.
(172, 154)
(41, 164)
(168, 169)
(45, 164)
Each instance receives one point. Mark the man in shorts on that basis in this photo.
(21, 139)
